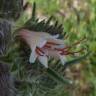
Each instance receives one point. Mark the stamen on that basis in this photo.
(47, 46)
(78, 42)
(69, 47)
(77, 51)
(52, 43)
(67, 53)
(61, 49)
(39, 51)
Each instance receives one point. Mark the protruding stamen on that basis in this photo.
(39, 51)
(62, 49)
(47, 46)
(78, 42)
(69, 47)
(68, 52)
(52, 43)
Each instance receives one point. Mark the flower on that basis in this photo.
(44, 46)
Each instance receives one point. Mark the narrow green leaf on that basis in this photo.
(34, 11)
(48, 21)
(57, 77)
(75, 61)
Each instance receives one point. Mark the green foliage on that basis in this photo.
(33, 79)
(39, 77)
(12, 9)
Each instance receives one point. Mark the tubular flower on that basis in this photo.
(44, 46)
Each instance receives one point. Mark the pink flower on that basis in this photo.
(44, 46)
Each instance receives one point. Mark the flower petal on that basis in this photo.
(33, 56)
(63, 59)
(60, 46)
(55, 36)
(41, 43)
(52, 53)
(43, 60)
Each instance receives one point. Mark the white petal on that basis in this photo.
(52, 37)
(33, 56)
(57, 41)
(63, 59)
(55, 36)
(60, 46)
(41, 43)
(43, 60)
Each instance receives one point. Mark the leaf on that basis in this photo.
(75, 61)
(58, 77)
(34, 11)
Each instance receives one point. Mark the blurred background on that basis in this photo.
(79, 20)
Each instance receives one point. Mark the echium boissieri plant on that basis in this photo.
(42, 42)
(43, 54)
(44, 46)
(45, 42)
